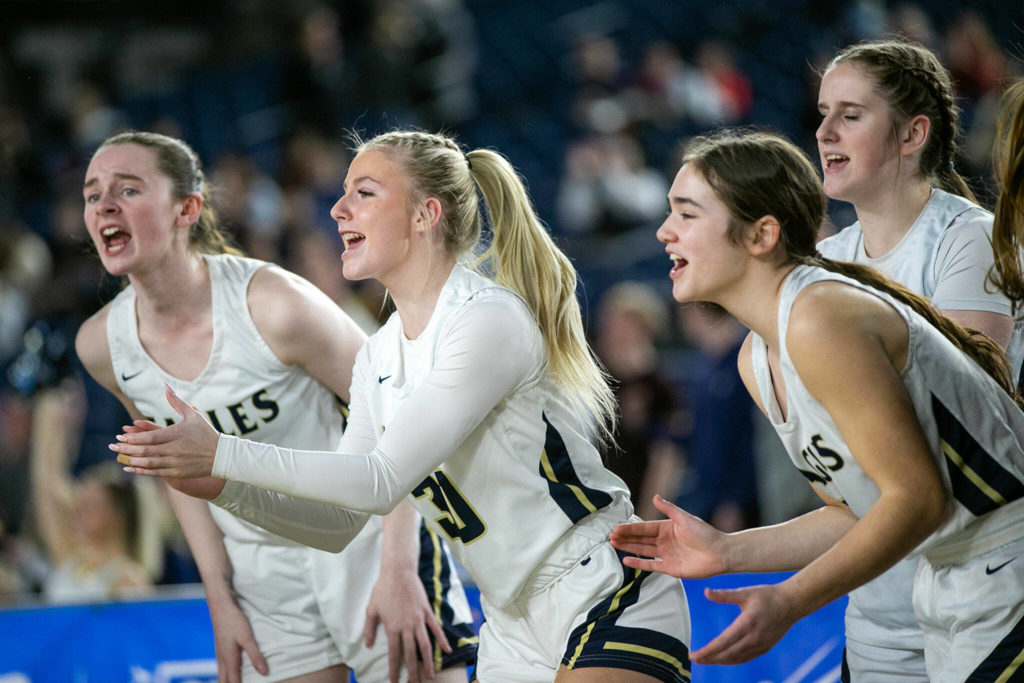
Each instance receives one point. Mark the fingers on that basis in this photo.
(370, 629)
(726, 595)
(644, 564)
(668, 509)
(229, 664)
(140, 426)
(439, 635)
(259, 662)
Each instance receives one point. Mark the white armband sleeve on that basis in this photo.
(317, 525)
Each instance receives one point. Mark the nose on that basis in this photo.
(826, 131)
(338, 211)
(664, 234)
(106, 204)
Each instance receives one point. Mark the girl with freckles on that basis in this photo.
(907, 425)
(480, 400)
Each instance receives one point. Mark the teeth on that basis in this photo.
(675, 258)
(834, 157)
(107, 232)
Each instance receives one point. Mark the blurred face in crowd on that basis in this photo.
(855, 139)
(376, 219)
(96, 516)
(130, 212)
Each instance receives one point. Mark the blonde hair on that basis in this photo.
(521, 257)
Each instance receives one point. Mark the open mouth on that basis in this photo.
(352, 240)
(835, 161)
(114, 239)
(678, 263)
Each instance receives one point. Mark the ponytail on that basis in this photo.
(979, 347)
(525, 259)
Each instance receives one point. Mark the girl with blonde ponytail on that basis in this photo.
(905, 424)
(479, 398)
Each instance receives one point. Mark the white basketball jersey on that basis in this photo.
(949, 231)
(243, 390)
(975, 430)
(522, 479)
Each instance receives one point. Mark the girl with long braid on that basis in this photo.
(906, 424)
(481, 400)
(887, 144)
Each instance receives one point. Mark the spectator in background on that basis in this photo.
(607, 187)
(716, 59)
(648, 457)
(719, 484)
(251, 205)
(89, 527)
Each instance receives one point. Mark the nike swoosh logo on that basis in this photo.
(125, 377)
(993, 570)
(380, 380)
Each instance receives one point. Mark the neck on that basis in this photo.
(178, 287)
(754, 302)
(415, 296)
(889, 216)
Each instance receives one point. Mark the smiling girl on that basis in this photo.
(904, 423)
(887, 143)
(479, 398)
(263, 353)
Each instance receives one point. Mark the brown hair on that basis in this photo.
(759, 174)
(181, 164)
(1007, 271)
(912, 80)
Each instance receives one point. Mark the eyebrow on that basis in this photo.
(120, 176)
(675, 201)
(843, 104)
(361, 179)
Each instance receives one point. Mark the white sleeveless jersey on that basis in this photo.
(244, 389)
(975, 431)
(521, 480)
(945, 257)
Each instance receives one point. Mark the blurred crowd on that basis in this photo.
(588, 99)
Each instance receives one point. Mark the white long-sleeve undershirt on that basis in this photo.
(490, 347)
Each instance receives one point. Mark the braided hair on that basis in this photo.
(912, 80)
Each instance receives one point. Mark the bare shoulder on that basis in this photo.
(834, 327)
(296, 318)
(93, 348)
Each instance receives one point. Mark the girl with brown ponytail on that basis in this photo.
(887, 144)
(481, 400)
(905, 424)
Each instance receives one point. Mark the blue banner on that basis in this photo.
(171, 641)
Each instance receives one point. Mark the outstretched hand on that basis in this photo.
(682, 545)
(180, 451)
(766, 614)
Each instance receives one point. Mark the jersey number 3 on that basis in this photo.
(458, 519)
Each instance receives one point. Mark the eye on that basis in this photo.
(129, 192)
(850, 117)
(90, 198)
(364, 193)
(687, 216)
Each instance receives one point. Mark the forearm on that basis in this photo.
(206, 542)
(318, 525)
(791, 545)
(886, 533)
(400, 538)
(366, 483)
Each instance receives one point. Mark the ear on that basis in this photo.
(762, 235)
(914, 134)
(429, 214)
(189, 212)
